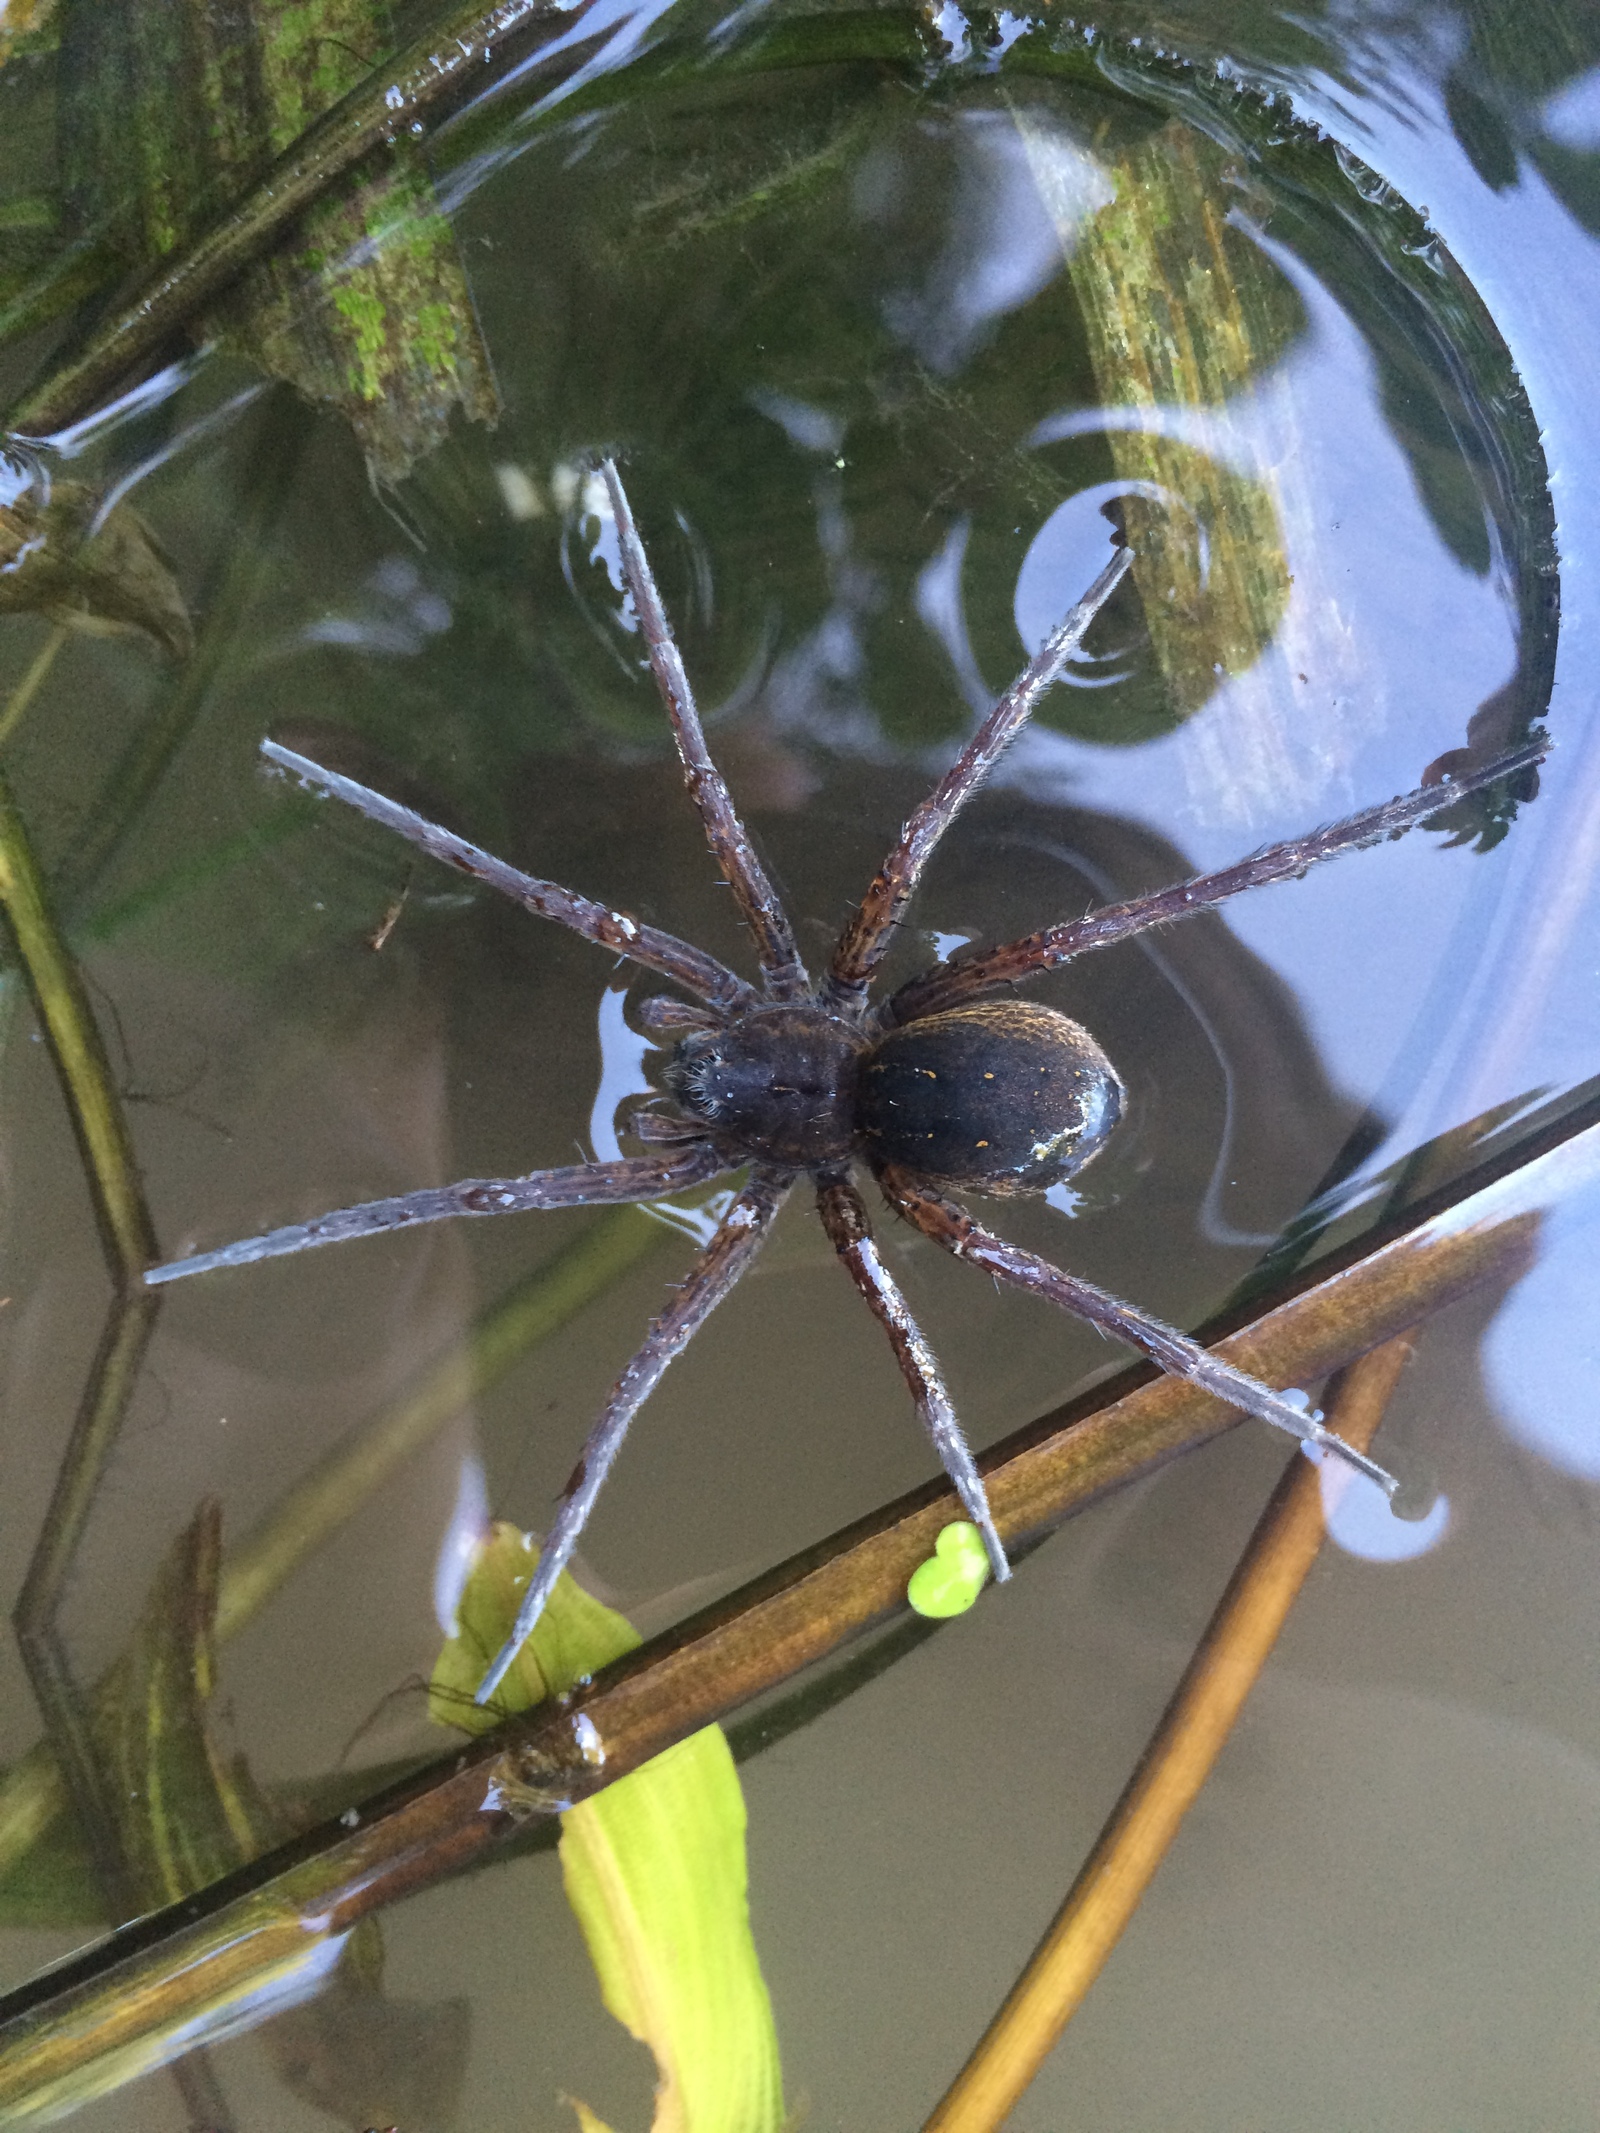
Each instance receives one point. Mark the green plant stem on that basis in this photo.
(337, 1487)
(28, 688)
(390, 100)
(74, 1040)
(68, 1761)
(70, 1750)
(138, 772)
(181, 1967)
(33, 1792)
(128, 1239)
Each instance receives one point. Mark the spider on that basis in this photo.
(949, 1084)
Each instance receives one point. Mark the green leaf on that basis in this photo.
(654, 1866)
(950, 1580)
(575, 1636)
(186, 1810)
(655, 1871)
(1183, 309)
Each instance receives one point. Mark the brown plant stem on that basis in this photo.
(182, 1964)
(391, 99)
(1180, 1756)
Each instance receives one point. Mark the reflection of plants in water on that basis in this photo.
(333, 266)
(1511, 80)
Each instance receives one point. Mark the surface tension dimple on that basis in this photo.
(623, 1052)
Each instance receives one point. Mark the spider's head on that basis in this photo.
(776, 1085)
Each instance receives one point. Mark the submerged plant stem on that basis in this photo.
(226, 596)
(1175, 1765)
(28, 687)
(128, 1238)
(32, 1792)
(173, 1970)
(337, 1487)
(74, 1040)
(69, 1750)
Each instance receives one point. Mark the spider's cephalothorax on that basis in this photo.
(950, 1083)
(777, 1085)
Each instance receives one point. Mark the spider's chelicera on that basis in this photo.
(949, 1083)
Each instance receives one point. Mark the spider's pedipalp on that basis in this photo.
(628, 937)
(782, 970)
(865, 940)
(647, 1177)
(662, 1016)
(951, 1227)
(738, 1237)
(661, 1129)
(844, 1217)
(949, 984)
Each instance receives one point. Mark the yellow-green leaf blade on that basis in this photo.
(655, 1866)
(575, 1637)
(656, 1874)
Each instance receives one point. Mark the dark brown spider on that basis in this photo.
(940, 1086)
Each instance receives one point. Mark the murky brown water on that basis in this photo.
(830, 314)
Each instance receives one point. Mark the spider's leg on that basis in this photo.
(865, 940)
(646, 1177)
(779, 954)
(953, 1228)
(845, 1219)
(698, 972)
(949, 983)
(737, 1239)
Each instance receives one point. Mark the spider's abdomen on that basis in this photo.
(1001, 1097)
(777, 1084)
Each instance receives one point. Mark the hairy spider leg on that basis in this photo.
(865, 939)
(947, 984)
(782, 970)
(646, 1177)
(950, 1226)
(737, 1239)
(664, 953)
(844, 1217)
